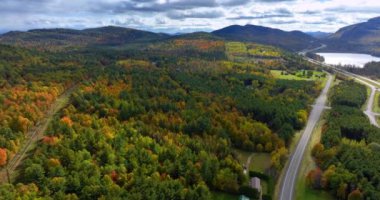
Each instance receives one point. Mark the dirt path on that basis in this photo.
(247, 164)
(34, 134)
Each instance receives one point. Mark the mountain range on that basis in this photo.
(361, 38)
(294, 40)
(69, 38)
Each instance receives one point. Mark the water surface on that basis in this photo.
(356, 59)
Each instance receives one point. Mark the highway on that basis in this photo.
(365, 81)
(288, 183)
(287, 186)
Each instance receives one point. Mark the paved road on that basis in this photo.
(34, 135)
(370, 114)
(368, 82)
(311, 50)
(288, 183)
(287, 186)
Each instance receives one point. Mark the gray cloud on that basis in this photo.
(277, 13)
(172, 14)
(282, 21)
(310, 12)
(346, 9)
(259, 17)
(195, 14)
(234, 2)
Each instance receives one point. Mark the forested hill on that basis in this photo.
(60, 39)
(294, 40)
(159, 122)
(362, 37)
(63, 39)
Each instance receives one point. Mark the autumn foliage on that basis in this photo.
(198, 44)
(3, 157)
(50, 140)
(66, 120)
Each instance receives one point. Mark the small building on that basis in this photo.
(256, 184)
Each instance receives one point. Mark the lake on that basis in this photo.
(356, 59)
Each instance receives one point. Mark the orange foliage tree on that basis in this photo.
(3, 157)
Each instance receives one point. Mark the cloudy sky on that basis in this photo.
(185, 15)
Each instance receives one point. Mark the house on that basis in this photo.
(256, 184)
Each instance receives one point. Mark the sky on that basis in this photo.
(178, 16)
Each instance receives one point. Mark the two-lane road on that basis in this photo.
(287, 186)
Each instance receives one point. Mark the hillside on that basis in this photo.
(362, 37)
(58, 39)
(294, 40)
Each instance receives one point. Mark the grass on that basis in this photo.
(364, 107)
(260, 162)
(242, 156)
(223, 196)
(298, 76)
(263, 51)
(376, 107)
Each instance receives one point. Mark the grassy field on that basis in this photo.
(223, 196)
(260, 162)
(263, 51)
(242, 156)
(298, 76)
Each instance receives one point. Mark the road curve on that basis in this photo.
(287, 185)
(370, 114)
(366, 81)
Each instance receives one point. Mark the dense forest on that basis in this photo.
(371, 69)
(160, 120)
(348, 155)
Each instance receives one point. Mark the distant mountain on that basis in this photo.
(294, 40)
(56, 39)
(362, 37)
(197, 35)
(319, 34)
